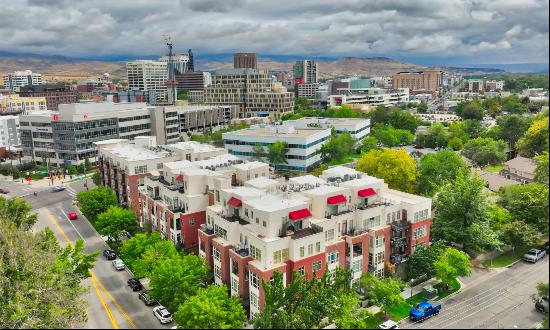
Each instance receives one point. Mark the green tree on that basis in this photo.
(71, 169)
(485, 151)
(543, 291)
(175, 280)
(437, 169)
(451, 264)
(144, 265)
(114, 221)
(518, 233)
(512, 104)
(403, 120)
(345, 111)
(541, 171)
(369, 143)
(338, 147)
(535, 140)
(211, 308)
(527, 202)
(18, 211)
(470, 110)
(95, 201)
(396, 167)
(498, 216)
(183, 94)
(132, 249)
(40, 284)
(459, 130)
(290, 116)
(385, 293)
(437, 136)
(421, 261)
(276, 153)
(96, 178)
(512, 128)
(455, 143)
(258, 152)
(391, 137)
(422, 108)
(452, 223)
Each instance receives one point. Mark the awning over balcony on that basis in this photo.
(235, 202)
(336, 199)
(299, 214)
(366, 192)
(179, 178)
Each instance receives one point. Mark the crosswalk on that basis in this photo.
(71, 191)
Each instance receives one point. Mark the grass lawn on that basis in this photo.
(455, 286)
(494, 169)
(506, 258)
(345, 160)
(402, 311)
(375, 321)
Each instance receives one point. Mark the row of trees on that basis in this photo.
(179, 282)
(40, 282)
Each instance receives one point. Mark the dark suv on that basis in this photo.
(135, 284)
(109, 254)
(147, 299)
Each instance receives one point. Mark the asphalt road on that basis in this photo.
(501, 301)
(112, 304)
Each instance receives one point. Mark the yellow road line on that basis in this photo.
(107, 310)
(117, 305)
(93, 279)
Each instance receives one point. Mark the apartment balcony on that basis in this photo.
(243, 251)
(371, 205)
(207, 229)
(301, 233)
(234, 218)
(330, 216)
(400, 226)
(399, 242)
(355, 232)
(371, 268)
(164, 182)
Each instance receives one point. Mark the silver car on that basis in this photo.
(534, 255)
(118, 264)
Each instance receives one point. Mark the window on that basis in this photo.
(357, 266)
(302, 253)
(419, 232)
(302, 271)
(254, 280)
(216, 254)
(159, 166)
(264, 223)
(329, 235)
(388, 220)
(318, 247)
(192, 222)
(255, 253)
(254, 300)
(286, 254)
(332, 258)
(217, 195)
(310, 249)
(379, 241)
(317, 265)
(379, 258)
(277, 257)
(140, 169)
(217, 271)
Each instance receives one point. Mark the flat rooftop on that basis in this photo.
(132, 153)
(306, 179)
(245, 191)
(249, 166)
(193, 145)
(334, 121)
(178, 165)
(325, 190)
(217, 161)
(261, 182)
(272, 203)
(339, 171)
(264, 131)
(364, 181)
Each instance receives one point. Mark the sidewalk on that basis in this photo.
(45, 182)
(418, 288)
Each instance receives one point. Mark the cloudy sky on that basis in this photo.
(468, 31)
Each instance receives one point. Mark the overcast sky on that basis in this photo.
(482, 31)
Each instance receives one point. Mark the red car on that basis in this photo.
(72, 216)
(4, 191)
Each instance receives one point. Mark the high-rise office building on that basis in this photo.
(245, 61)
(191, 63)
(418, 81)
(55, 94)
(13, 81)
(149, 76)
(306, 72)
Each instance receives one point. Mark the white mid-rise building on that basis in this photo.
(9, 131)
(149, 76)
(303, 144)
(369, 96)
(13, 81)
(357, 127)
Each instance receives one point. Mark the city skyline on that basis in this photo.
(428, 32)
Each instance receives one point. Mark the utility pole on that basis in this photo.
(171, 82)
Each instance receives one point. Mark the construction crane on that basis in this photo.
(171, 82)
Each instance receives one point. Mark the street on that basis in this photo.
(499, 301)
(112, 304)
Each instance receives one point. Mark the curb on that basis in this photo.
(462, 286)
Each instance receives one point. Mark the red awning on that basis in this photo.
(366, 192)
(235, 202)
(299, 214)
(336, 199)
(179, 178)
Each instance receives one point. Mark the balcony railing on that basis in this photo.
(234, 218)
(399, 242)
(329, 216)
(371, 268)
(355, 232)
(208, 230)
(372, 205)
(400, 226)
(243, 251)
(314, 229)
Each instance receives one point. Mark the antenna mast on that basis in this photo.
(171, 82)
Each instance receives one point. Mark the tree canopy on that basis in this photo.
(451, 264)
(535, 140)
(528, 203)
(485, 151)
(437, 169)
(421, 261)
(132, 249)
(512, 128)
(470, 110)
(385, 293)
(391, 137)
(518, 233)
(115, 221)
(211, 308)
(541, 171)
(95, 201)
(276, 153)
(18, 211)
(396, 167)
(338, 147)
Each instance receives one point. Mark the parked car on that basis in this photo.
(542, 305)
(144, 296)
(162, 314)
(58, 188)
(135, 284)
(546, 246)
(4, 191)
(109, 254)
(72, 216)
(424, 310)
(118, 264)
(389, 324)
(534, 255)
